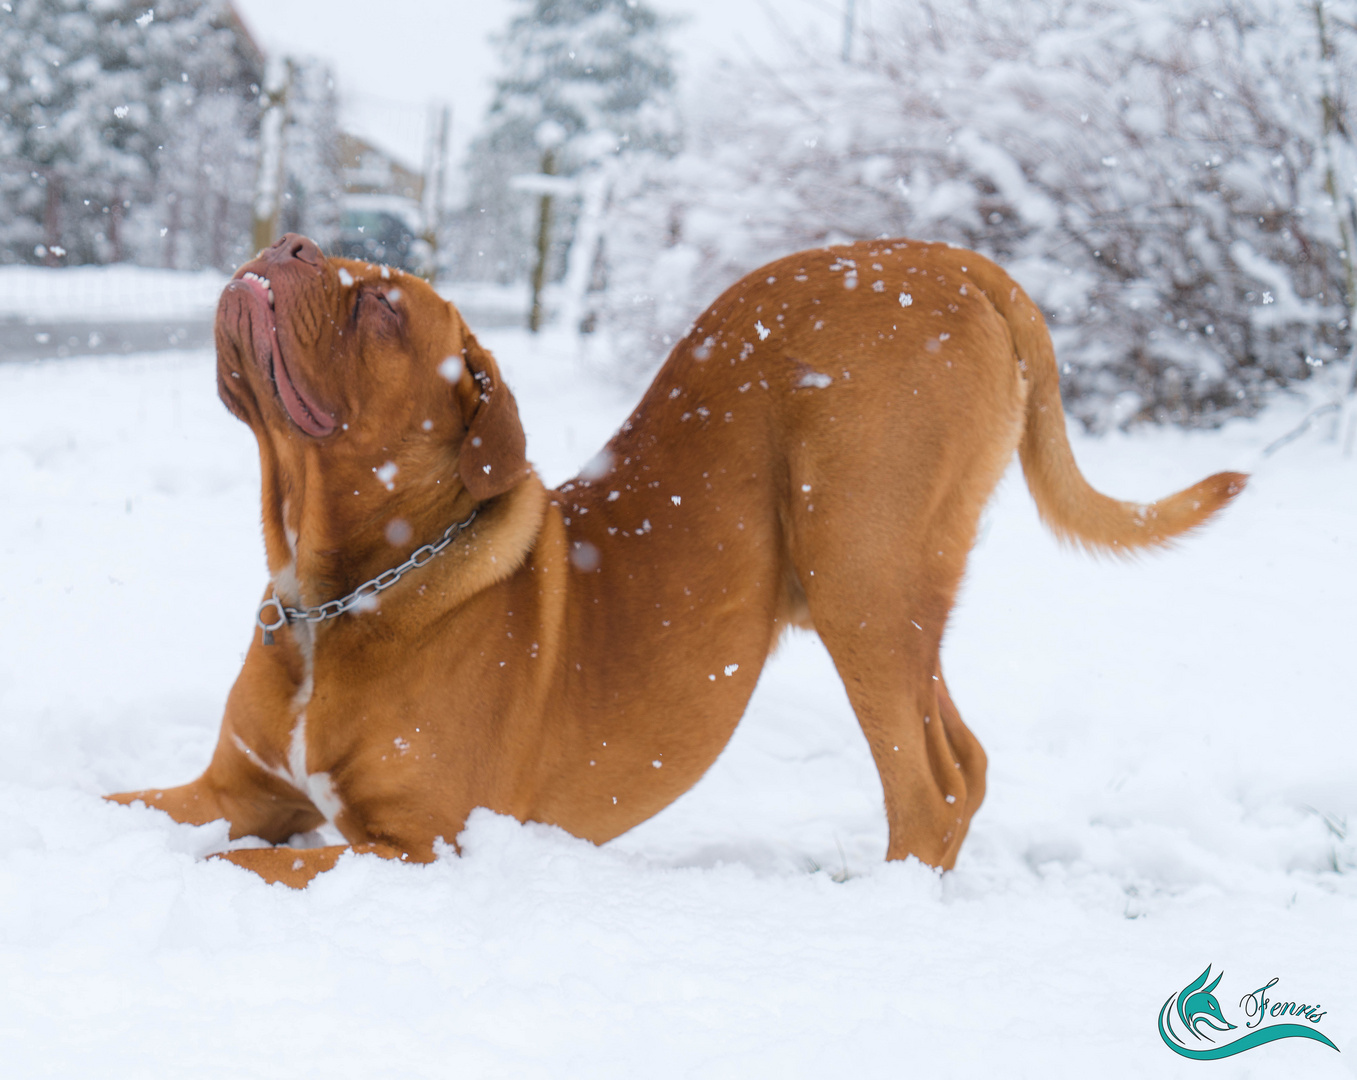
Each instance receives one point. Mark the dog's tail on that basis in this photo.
(1068, 505)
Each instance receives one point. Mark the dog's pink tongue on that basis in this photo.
(304, 410)
(305, 413)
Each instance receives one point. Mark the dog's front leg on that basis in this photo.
(295, 867)
(250, 780)
(255, 806)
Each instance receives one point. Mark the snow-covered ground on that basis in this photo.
(1173, 774)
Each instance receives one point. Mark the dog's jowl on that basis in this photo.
(440, 632)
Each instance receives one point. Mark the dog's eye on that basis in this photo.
(380, 297)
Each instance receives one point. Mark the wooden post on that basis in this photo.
(539, 272)
(115, 219)
(51, 217)
(172, 233)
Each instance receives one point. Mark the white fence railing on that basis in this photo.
(107, 293)
(139, 294)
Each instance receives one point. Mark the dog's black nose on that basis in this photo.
(292, 246)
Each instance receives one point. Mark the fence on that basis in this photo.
(119, 293)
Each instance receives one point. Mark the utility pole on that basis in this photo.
(268, 198)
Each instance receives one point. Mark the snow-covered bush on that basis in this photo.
(1154, 172)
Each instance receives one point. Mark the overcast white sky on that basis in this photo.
(391, 64)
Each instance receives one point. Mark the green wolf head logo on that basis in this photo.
(1195, 1006)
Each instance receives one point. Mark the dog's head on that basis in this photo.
(349, 368)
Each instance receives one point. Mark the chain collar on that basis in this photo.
(332, 609)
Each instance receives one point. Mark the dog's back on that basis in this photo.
(818, 450)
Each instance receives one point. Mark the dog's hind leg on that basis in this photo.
(970, 755)
(883, 636)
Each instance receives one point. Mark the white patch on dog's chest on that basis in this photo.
(318, 787)
(289, 533)
(315, 786)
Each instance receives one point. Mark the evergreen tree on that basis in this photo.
(124, 130)
(77, 130)
(583, 80)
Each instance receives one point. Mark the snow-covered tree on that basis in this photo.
(314, 189)
(77, 131)
(126, 131)
(131, 132)
(583, 80)
(1158, 173)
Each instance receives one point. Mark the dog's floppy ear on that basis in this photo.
(493, 450)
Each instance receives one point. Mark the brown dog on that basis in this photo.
(816, 452)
